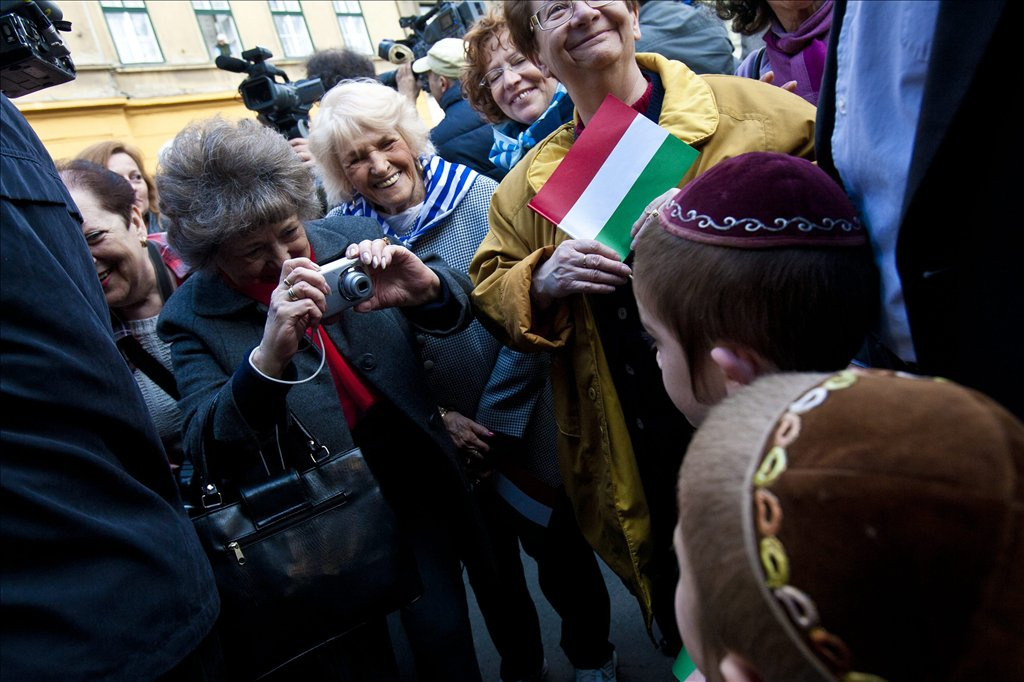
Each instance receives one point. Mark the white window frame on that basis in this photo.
(288, 18)
(219, 11)
(131, 31)
(352, 25)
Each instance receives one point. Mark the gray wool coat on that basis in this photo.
(212, 329)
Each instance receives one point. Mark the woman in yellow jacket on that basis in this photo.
(620, 441)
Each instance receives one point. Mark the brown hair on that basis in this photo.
(489, 28)
(802, 309)
(113, 193)
(517, 16)
(100, 154)
(748, 16)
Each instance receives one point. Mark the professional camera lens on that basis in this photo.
(355, 285)
(395, 52)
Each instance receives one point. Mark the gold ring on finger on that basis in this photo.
(291, 294)
(583, 260)
(653, 213)
(287, 282)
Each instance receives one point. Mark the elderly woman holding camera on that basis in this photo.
(377, 161)
(248, 327)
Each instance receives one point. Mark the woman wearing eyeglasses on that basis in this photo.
(619, 436)
(524, 104)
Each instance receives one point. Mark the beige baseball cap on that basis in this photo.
(446, 57)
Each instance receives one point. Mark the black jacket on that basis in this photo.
(959, 245)
(103, 576)
(464, 136)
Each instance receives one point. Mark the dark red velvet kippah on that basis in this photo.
(763, 200)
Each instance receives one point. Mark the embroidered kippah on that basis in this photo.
(866, 500)
(763, 200)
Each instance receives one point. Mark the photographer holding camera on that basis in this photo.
(462, 136)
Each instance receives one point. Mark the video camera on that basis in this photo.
(444, 20)
(32, 54)
(283, 106)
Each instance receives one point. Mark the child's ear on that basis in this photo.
(739, 364)
(733, 668)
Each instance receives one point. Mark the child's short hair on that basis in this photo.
(860, 521)
(763, 250)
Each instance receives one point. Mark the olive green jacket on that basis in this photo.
(721, 117)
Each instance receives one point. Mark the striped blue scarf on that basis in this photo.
(512, 139)
(445, 183)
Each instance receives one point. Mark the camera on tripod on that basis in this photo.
(444, 20)
(282, 105)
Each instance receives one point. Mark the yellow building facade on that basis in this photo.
(146, 67)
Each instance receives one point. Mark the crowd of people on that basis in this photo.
(786, 420)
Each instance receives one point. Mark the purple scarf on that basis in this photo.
(800, 56)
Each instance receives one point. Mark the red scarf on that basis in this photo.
(355, 397)
(639, 106)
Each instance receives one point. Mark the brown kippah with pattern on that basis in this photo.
(887, 527)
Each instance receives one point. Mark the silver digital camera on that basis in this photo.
(349, 284)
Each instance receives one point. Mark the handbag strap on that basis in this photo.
(313, 445)
(163, 280)
(209, 495)
(148, 365)
(758, 59)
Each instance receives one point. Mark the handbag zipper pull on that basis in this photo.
(237, 549)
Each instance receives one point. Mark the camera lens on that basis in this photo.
(355, 285)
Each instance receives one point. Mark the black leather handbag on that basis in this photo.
(302, 558)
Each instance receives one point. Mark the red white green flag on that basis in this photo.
(621, 161)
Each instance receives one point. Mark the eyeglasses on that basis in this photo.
(516, 63)
(554, 14)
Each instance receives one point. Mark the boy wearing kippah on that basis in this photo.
(861, 526)
(759, 265)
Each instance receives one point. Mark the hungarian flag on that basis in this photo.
(619, 164)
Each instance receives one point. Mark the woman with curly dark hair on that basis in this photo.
(138, 273)
(795, 43)
(510, 91)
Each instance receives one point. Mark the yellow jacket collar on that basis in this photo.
(689, 112)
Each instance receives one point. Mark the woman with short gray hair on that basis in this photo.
(255, 181)
(249, 336)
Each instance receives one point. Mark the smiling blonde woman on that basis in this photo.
(495, 402)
